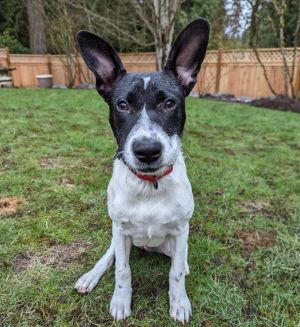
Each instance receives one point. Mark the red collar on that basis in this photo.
(150, 178)
(153, 178)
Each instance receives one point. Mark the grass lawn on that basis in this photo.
(56, 150)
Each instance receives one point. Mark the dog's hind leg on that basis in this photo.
(88, 281)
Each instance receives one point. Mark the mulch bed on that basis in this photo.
(278, 102)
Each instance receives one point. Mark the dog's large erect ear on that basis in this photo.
(188, 52)
(101, 59)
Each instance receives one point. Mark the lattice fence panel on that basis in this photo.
(211, 57)
(28, 59)
(3, 53)
(266, 56)
(237, 56)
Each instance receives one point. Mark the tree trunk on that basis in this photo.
(36, 22)
(165, 12)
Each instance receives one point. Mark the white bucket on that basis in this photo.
(44, 81)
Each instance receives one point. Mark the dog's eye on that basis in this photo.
(169, 104)
(122, 106)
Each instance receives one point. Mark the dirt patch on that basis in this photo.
(230, 151)
(22, 261)
(251, 240)
(56, 256)
(218, 191)
(7, 163)
(67, 182)
(5, 149)
(61, 256)
(257, 207)
(217, 260)
(195, 226)
(9, 206)
(49, 163)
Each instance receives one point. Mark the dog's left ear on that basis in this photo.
(102, 60)
(188, 52)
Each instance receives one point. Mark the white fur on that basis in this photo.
(146, 81)
(139, 209)
(154, 219)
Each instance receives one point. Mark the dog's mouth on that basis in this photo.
(146, 171)
(149, 170)
(153, 169)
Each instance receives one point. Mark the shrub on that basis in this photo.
(7, 40)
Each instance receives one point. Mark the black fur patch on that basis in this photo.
(161, 87)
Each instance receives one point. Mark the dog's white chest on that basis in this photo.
(146, 214)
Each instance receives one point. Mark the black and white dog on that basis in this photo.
(150, 199)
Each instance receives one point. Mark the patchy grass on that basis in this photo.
(56, 150)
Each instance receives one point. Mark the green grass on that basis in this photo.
(56, 150)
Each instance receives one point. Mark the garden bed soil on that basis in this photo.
(278, 102)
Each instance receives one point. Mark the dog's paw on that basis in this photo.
(180, 309)
(87, 282)
(120, 305)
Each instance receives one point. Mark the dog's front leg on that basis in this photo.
(180, 306)
(121, 300)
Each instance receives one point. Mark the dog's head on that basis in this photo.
(147, 112)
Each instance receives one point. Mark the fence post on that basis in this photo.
(49, 63)
(297, 79)
(218, 70)
(7, 57)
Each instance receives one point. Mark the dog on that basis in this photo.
(150, 198)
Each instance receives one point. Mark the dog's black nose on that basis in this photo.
(146, 150)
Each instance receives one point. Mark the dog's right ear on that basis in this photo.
(101, 59)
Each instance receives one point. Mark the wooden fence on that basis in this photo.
(225, 71)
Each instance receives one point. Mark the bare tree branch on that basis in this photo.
(139, 10)
(253, 33)
(108, 22)
(276, 18)
(159, 18)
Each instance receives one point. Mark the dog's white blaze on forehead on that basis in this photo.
(144, 122)
(146, 81)
(144, 119)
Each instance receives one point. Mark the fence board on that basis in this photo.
(224, 71)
